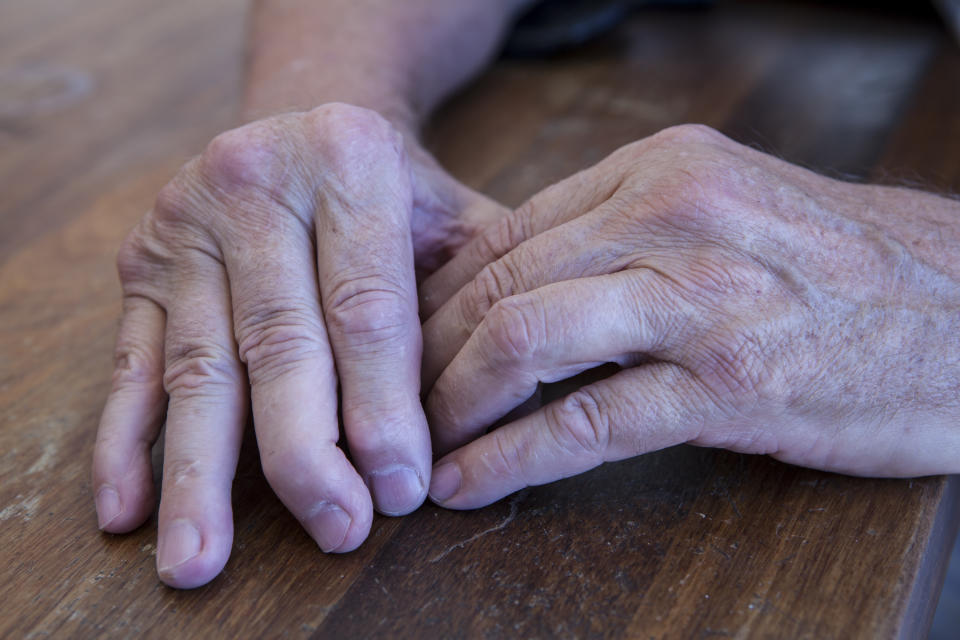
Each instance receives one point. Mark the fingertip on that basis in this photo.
(479, 473)
(357, 532)
(186, 558)
(339, 530)
(397, 489)
(456, 486)
(123, 503)
(390, 442)
(109, 507)
(445, 482)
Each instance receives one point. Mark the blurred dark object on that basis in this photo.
(950, 10)
(555, 25)
(552, 26)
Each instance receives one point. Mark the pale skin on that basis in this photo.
(751, 304)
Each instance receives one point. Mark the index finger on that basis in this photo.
(555, 205)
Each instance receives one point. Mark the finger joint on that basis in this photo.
(580, 425)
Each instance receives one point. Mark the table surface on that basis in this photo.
(101, 100)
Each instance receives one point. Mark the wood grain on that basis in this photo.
(681, 543)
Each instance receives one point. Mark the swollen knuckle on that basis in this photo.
(258, 157)
(200, 370)
(368, 309)
(514, 330)
(580, 424)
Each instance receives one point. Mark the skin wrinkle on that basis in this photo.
(797, 317)
(201, 252)
(801, 315)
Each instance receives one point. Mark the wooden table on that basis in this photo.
(101, 100)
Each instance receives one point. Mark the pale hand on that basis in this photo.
(276, 266)
(752, 305)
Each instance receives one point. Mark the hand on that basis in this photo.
(751, 304)
(273, 267)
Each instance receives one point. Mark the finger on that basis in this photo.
(546, 335)
(205, 419)
(368, 290)
(553, 206)
(281, 338)
(635, 411)
(131, 421)
(576, 249)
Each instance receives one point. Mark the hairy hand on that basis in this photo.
(275, 266)
(750, 304)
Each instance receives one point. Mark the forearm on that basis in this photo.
(398, 58)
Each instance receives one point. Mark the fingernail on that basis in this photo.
(397, 489)
(445, 481)
(328, 526)
(179, 542)
(108, 506)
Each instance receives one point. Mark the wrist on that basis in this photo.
(289, 90)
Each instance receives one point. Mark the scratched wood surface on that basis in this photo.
(101, 100)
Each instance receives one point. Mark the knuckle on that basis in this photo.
(514, 330)
(178, 203)
(199, 369)
(493, 284)
(134, 365)
(182, 219)
(369, 310)
(348, 132)
(258, 156)
(275, 342)
(690, 198)
(132, 260)
(510, 457)
(496, 241)
(364, 164)
(580, 424)
(518, 226)
(174, 200)
(142, 261)
(689, 135)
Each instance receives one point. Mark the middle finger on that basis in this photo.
(282, 340)
(575, 249)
